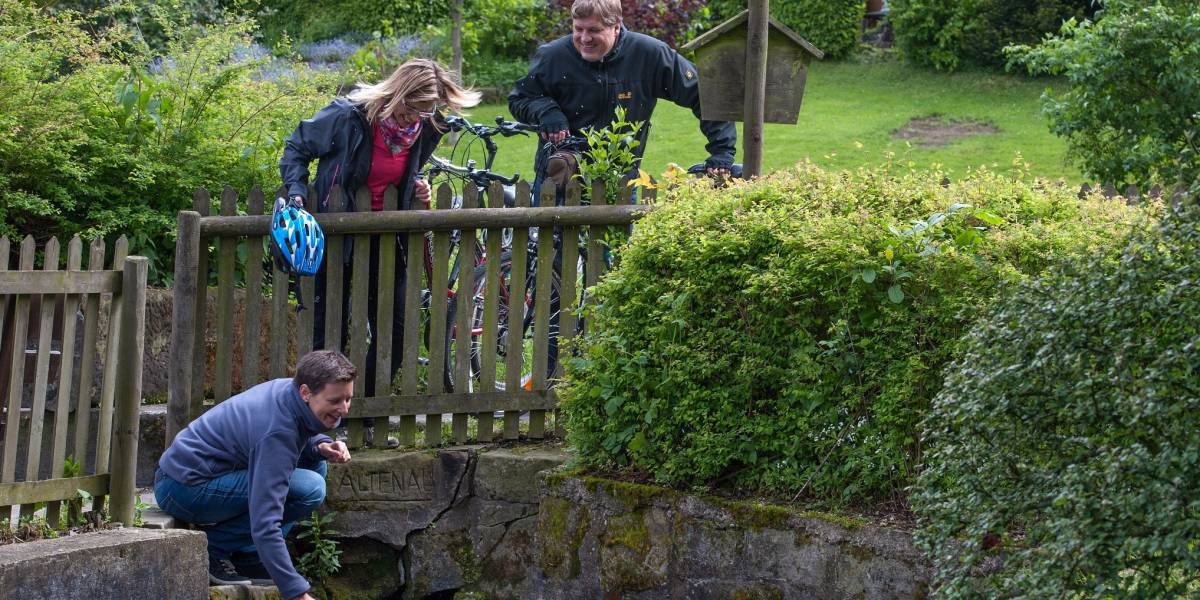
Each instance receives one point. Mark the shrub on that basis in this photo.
(672, 21)
(1062, 450)
(948, 34)
(1131, 112)
(788, 334)
(831, 25)
(97, 138)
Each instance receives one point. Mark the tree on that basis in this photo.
(1131, 113)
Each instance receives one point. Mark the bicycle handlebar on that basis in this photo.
(480, 177)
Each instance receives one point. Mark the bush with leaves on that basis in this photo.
(788, 334)
(1063, 459)
(1131, 113)
(949, 34)
(101, 136)
(831, 25)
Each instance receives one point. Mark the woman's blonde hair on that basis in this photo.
(414, 85)
(609, 11)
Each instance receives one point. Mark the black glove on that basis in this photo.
(552, 126)
(718, 162)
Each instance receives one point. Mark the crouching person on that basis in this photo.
(253, 465)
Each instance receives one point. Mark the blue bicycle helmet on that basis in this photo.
(298, 242)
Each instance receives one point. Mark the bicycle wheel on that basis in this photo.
(504, 304)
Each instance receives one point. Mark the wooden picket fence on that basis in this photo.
(193, 386)
(37, 309)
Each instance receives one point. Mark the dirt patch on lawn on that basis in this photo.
(934, 131)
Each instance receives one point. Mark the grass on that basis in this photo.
(847, 118)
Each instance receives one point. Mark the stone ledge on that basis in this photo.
(118, 563)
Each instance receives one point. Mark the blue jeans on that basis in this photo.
(221, 507)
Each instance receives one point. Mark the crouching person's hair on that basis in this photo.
(321, 367)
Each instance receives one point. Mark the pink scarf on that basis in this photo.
(398, 139)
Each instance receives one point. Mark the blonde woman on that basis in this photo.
(377, 136)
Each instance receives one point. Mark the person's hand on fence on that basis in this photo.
(334, 452)
(422, 192)
(305, 596)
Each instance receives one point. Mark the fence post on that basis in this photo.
(129, 388)
(183, 323)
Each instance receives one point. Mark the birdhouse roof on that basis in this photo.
(741, 18)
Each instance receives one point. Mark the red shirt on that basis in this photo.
(386, 168)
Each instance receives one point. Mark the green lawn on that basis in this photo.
(849, 114)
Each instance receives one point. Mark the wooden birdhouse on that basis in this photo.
(721, 61)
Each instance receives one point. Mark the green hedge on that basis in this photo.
(948, 34)
(789, 334)
(831, 25)
(1063, 449)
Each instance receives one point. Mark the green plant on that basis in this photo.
(831, 25)
(752, 336)
(1062, 449)
(610, 155)
(609, 159)
(322, 557)
(949, 34)
(1131, 112)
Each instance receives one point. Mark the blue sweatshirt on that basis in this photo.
(264, 431)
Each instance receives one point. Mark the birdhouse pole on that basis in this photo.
(756, 87)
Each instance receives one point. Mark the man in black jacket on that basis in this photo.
(577, 81)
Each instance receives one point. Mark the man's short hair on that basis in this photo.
(321, 367)
(609, 11)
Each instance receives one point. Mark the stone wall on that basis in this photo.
(121, 563)
(498, 523)
(598, 538)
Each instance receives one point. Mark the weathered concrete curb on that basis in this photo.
(601, 538)
(121, 563)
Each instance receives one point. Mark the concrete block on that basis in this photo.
(120, 563)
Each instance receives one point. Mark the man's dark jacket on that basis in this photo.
(564, 91)
(340, 139)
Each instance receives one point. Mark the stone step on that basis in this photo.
(244, 592)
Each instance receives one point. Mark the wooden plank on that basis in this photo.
(433, 220)
(52, 489)
(66, 368)
(756, 87)
(202, 204)
(465, 307)
(183, 319)
(359, 318)
(516, 315)
(569, 291)
(410, 404)
(108, 385)
(308, 289)
(277, 365)
(226, 272)
(5, 245)
(385, 309)
(437, 318)
(129, 389)
(87, 357)
(252, 312)
(41, 377)
(412, 330)
(541, 314)
(16, 382)
(491, 316)
(333, 280)
(60, 282)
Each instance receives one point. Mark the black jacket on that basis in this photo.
(340, 139)
(564, 91)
